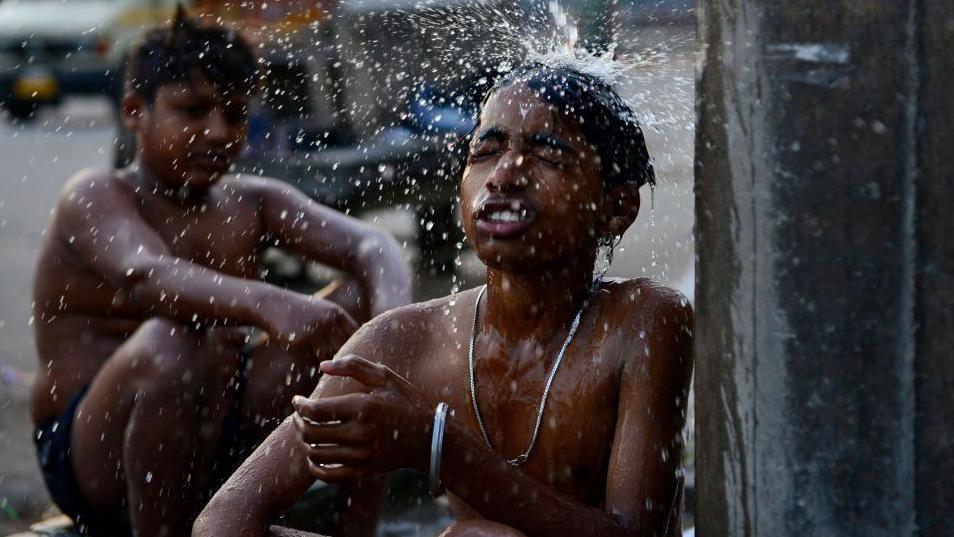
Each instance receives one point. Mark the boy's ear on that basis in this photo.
(132, 109)
(621, 208)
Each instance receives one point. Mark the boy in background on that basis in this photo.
(149, 388)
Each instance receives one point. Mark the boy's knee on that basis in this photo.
(168, 358)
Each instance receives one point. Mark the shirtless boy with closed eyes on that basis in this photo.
(565, 392)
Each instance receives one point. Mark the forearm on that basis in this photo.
(486, 482)
(191, 293)
(265, 486)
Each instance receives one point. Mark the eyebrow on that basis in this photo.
(490, 132)
(553, 141)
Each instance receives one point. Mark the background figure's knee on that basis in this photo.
(480, 528)
(168, 359)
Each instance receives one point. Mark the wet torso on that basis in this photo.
(80, 317)
(573, 449)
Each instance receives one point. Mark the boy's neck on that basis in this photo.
(148, 180)
(538, 305)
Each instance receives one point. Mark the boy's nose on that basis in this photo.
(217, 127)
(508, 175)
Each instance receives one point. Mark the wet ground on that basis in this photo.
(38, 158)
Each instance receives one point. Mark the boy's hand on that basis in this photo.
(365, 433)
(311, 325)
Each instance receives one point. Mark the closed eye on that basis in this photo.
(196, 111)
(548, 155)
(552, 150)
(485, 148)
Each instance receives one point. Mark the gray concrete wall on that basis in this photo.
(934, 316)
(824, 280)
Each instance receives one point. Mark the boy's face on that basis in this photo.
(532, 191)
(191, 134)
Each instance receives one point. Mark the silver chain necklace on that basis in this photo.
(523, 457)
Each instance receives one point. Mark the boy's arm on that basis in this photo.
(265, 486)
(368, 254)
(643, 477)
(98, 220)
(276, 475)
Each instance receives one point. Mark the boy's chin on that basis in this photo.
(202, 179)
(529, 256)
(510, 256)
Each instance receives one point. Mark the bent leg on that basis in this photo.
(144, 433)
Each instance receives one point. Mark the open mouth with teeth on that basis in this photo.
(504, 218)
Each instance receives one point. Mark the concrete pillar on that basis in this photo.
(825, 290)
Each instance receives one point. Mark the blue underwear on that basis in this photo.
(52, 440)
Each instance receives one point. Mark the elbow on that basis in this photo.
(378, 244)
(379, 252)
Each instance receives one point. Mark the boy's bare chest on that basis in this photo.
(226, 237)
(572, 449)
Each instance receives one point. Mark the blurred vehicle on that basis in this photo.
(51, 49)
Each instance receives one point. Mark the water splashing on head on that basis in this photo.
(566, 33)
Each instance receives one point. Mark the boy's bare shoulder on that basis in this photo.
(93, 181)
(394, 336)
(93, 191)
(648, 305)
(644, 292)
(254, 183)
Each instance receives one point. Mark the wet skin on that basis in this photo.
(145, 287)
(608, 453)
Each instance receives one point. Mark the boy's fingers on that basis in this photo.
(365, 372)
(347, 433)
(333, 474)
(338, 408)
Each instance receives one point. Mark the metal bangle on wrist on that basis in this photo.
(437, 448)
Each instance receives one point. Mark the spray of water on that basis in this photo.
(445, 54)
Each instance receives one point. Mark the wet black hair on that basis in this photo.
(607, 122)
(183, 50)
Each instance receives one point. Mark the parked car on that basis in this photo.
(51, 49)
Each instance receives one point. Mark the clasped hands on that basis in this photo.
(385, 428)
